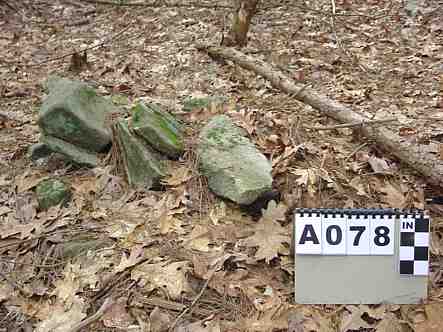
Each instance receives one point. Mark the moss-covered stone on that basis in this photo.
(52, 192)
(160, 129)
(71, 152)
(234, 167)
(54, 82)
(74, 113)
(144, 167)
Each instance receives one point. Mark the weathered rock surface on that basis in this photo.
(73, 112)
(38, 151)
(143, 166)
(51, 192)
(70, 152)
(158, 128)
(234, 167)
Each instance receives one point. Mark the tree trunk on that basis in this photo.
(242, 16)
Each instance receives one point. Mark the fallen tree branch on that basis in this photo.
(416, 156)
(352, 125)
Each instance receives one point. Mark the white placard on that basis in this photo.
(358, 230)
(382, 235)
(407, 223)
(333, 235)
(308, 234)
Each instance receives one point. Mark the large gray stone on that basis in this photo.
(234, 167)
(74, 113)
(158, 128)
(143, 166)
(70, 152)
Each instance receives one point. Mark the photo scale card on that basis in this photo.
(334, 233)
(414, 245)
(382, 234)
(308, 233)
(337, 233)
(358, 239)
(361, 256)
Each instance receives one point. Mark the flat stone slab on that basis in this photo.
(234, 167)
(158, 128)
(144, 168)
(70, 152)
(74, 113)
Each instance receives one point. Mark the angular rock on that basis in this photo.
(158, 128)
(52, 192)
(143, 166)
(74, 113)
(53, 82)
(38, 151)
(234, 167)
(70, 152)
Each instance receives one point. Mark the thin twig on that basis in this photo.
(336, 311)
(6, 259)
(358, 148)
(303, 88)
(339, 43)
(156, 4)
(355, 124)
(310, 9)
(21, 289)
(100, 312)
(184, 312)
(9, 5)
(433, 118)
(82, 21)
(116, 277)
(82, 50)
(143, 326)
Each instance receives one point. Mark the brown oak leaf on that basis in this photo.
(269, 236)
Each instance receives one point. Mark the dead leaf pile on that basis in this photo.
(178, 258)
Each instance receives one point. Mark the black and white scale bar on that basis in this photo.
(414, 245)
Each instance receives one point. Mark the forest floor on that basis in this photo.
(180, 258)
